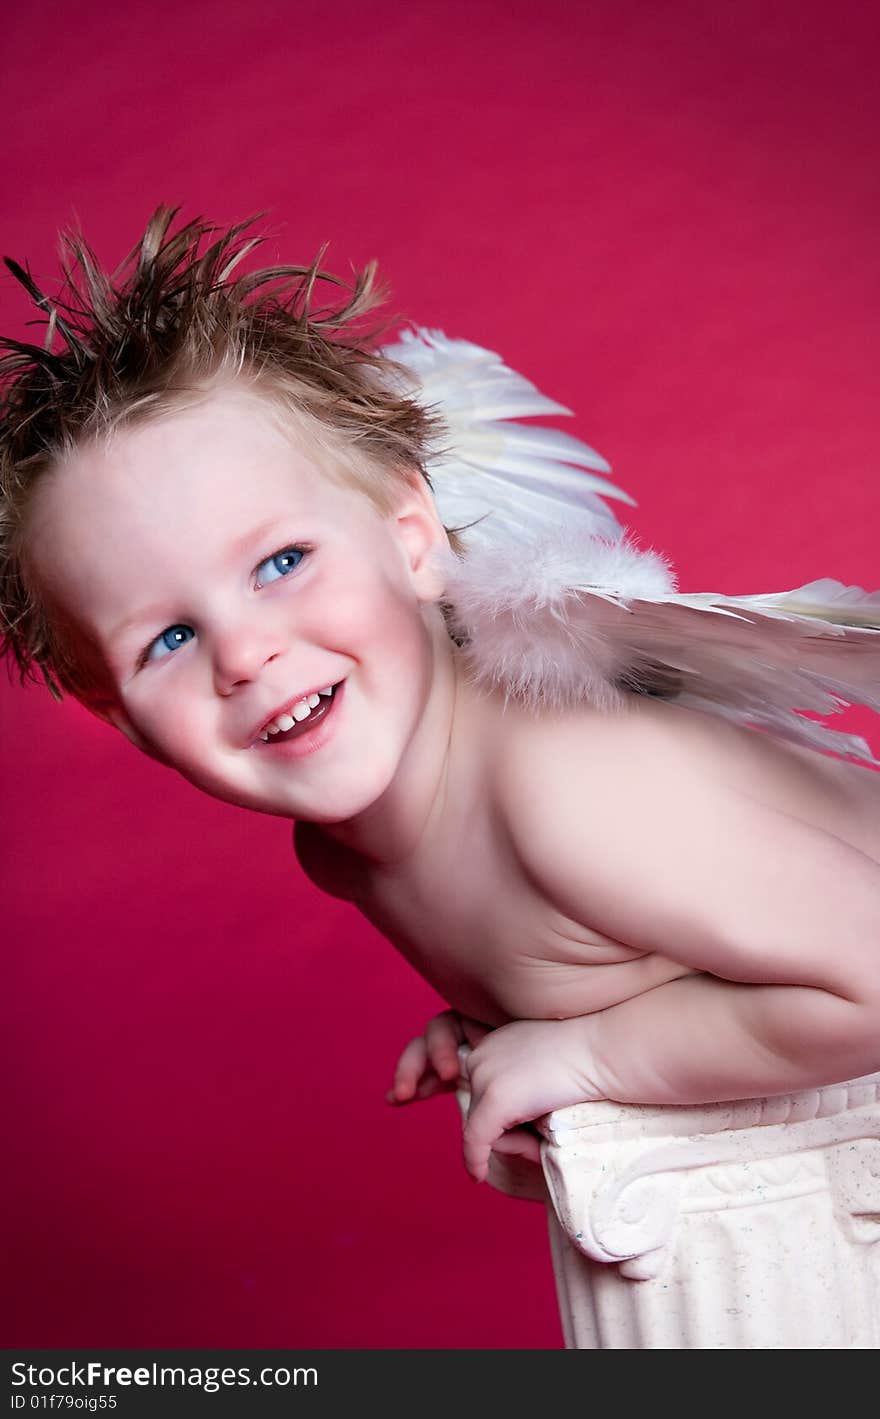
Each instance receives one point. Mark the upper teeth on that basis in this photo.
(298, 711)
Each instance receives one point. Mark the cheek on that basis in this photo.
(369, 614)
(170, 715)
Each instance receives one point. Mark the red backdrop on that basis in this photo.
(667, 216)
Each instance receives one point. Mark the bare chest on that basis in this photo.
(470, 922)
(467, 917)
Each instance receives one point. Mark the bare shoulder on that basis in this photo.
(609, 759)
(587, 780)
(328, 865)
(654, 751)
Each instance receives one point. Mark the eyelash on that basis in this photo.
(294, 547)
(303, 550)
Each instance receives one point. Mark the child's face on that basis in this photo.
(221, 576)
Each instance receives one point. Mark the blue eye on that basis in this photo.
(171, 639)
(280, 564)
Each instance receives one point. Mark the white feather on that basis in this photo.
(554, 604)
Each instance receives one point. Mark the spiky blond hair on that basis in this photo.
(172, 320)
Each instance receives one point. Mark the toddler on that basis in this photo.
(219, 536)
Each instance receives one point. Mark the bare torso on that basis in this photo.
(470, 921)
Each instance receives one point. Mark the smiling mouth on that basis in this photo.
(303, 726)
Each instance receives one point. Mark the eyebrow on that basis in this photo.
(148, 613)
(256, 534)
(156, 611)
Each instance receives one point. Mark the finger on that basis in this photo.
(443, 1036)
(431, 1084)
(410, 1068)
(519, 1143)
(428, 1086)
(485, 1124)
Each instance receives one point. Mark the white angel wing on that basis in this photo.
(553, 603)
(518, 478)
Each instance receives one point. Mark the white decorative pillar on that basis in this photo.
(746, 1225)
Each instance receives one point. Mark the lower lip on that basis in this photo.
(313, 739)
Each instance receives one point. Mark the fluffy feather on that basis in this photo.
(554, 604)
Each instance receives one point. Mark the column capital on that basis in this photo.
(621, 1176)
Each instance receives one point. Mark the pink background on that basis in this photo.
(665, 214)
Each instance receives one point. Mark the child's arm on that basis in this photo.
(700, 1039)
(697, 1039)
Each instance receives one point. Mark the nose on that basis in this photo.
(240, 653)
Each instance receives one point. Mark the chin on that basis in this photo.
(351, 796)
(338, 808)
(333, 806)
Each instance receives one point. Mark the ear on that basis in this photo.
(422, 536)
(110, 711)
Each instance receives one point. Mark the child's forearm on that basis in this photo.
(701, 1039)
(698, 1039)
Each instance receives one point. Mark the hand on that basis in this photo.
(430, 1064)
(518, 1073)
